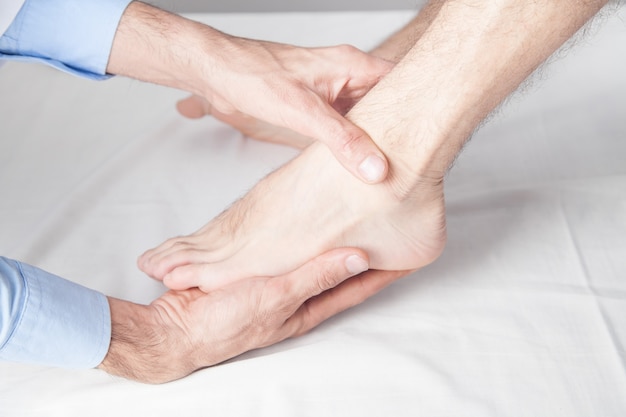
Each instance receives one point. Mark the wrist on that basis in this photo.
(129, 325)
(142, 347)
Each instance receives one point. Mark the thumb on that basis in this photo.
(320, 274)
(351, 145)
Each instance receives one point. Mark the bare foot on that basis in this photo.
(312, 204)
(305, 208)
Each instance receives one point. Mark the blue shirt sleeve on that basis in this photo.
(74, 36)
(47, 320)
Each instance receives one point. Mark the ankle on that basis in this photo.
(418, 155)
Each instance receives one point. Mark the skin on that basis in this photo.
(296, 86)
(184, 331)
(392, 49)
(178, 334)
(420, 115)
(195, 107)
(469, 57)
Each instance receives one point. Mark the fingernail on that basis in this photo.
(355, 264)
(372, 168)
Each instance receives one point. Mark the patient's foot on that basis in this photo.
(195, 107)
(314, 204)
(303, 209)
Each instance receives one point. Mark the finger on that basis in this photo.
(359, 70)
(367, 73)
(348, 294)
(350, 144)
(320, 274)
(193, 107)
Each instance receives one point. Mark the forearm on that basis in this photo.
(156, 46)
(472, 56)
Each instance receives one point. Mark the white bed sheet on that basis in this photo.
(523, 315)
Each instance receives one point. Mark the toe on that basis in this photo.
(207, 277)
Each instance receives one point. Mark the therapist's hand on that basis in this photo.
(283, 85)
(195, 107)
(183, 331)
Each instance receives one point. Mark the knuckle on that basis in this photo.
(266, 322)
(281, 301)
(349, 142)
(347, 49)
(326, 279)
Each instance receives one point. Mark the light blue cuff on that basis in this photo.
(74, 36)
(50, 321)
